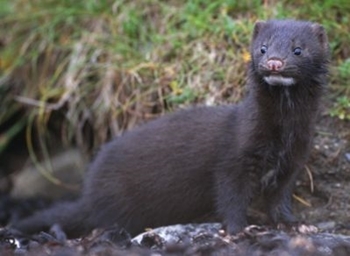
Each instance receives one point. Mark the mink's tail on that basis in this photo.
(72, 217)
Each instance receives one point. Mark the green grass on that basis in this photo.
(108, 65)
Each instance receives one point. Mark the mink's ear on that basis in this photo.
(258, 27)
(320, 33)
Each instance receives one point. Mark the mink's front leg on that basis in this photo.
(235, 187)
(279, 201)
(233, 199)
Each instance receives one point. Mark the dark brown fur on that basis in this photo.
(210, 159)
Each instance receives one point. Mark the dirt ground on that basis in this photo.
(327, 174)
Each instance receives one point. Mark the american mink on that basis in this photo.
(211, 159)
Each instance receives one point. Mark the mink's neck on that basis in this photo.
(298, 102)
(283, 115)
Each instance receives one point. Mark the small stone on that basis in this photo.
(337, 185)
(326, 225)
(307, 229)
(347, 156)
(222, 232)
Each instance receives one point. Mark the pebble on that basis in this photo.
(347, 156)
(326, 225)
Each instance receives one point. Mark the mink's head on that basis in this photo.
(287, 53)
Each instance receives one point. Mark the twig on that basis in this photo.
(309, 173)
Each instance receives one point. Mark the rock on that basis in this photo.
(328, 225)
(347, 156)
(67, 167)
(254, 240)
(176, 234)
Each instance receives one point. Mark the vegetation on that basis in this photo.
(90, 69)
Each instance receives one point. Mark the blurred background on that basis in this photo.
(74, 74)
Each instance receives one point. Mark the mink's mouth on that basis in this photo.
(279, 80)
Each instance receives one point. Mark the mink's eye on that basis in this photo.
(297, 51)
(263, 49)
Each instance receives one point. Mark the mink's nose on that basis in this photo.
(274, 64)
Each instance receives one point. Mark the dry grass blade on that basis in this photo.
(309, 173)
(301, 200)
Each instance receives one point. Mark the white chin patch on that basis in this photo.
(279, 80)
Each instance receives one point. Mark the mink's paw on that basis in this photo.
(234, 229)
